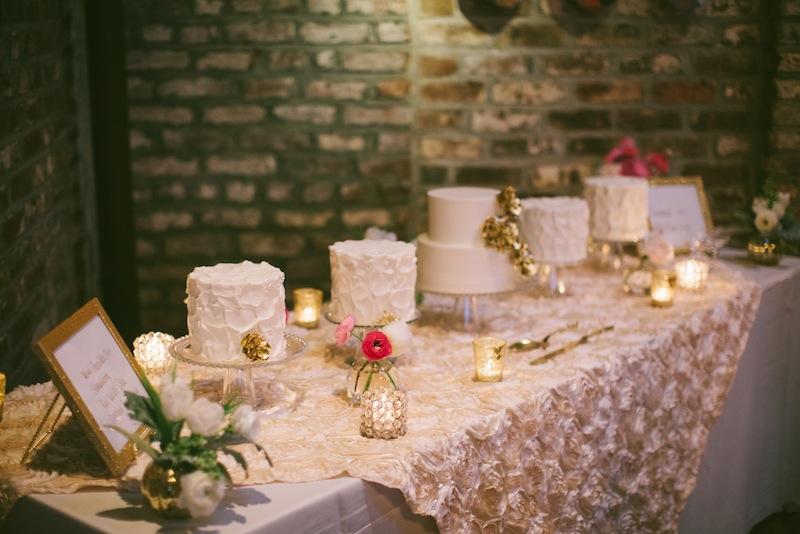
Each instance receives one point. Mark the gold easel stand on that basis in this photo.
(40, 436)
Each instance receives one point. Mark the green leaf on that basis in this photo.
(140, 443)
(224, 472)
(236, 455)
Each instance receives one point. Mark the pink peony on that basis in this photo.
(659, 250)
(344, 330)
(376, 346)
(634, 167)
(625, 150)
(657, 162)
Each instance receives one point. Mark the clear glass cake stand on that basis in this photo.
(271, 395)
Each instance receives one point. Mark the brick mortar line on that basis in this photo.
(5, 178)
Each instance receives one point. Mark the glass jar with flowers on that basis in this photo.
(774, 226)
(655, 253)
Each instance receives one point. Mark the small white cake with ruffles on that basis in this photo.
(618, 209)
(373, 280)
(228, 301)
(556, 229)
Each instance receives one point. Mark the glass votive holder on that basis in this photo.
(384, 413)
(307, 306)
(662, 288)
(489, 353)
(692, 273)
(151, 351)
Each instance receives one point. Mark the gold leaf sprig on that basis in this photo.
(502, 233)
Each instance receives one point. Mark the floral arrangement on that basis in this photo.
(192, 454)
(624, 160)
(657, 249)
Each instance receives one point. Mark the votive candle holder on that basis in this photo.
(662, 288)
(489, 355)
(151, 351)
(692, 273)
(307, 306)
(384, 413)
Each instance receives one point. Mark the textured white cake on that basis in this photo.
(617, 208)
(371, 279)
(228, 301)
(556, 229)
(452, 256)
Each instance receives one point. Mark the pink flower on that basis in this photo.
(658, 162)
(634, 167)
(344, 330)
(658, 249)
(625, 150)
(376, 346)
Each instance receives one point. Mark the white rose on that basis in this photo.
(759, 204)
(766, 221)
(201, 493)
(779, 209)
(400, 337)
(176, 397)
(205, 417)
(658, 249)
(377, 234)
(246, 422)
(784, 199)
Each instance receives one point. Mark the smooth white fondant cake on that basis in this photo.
(230, 300)
(556, 229)
(373, 278)
(617, 208)
(452, 256)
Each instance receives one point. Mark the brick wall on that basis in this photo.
(43, 240)
(266, 129)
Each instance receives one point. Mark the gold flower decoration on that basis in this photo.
(255, 347)
(502, 233)
(386, 318)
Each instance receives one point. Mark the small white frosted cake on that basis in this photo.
(617, 208)
(453, 257)
(372, 280)
(556, 229)
(230, 300)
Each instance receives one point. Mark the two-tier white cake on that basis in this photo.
(230, 300)
(556, 229)
(453, 258)
(618, 209)
(373, 280)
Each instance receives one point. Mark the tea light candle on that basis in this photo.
(662, 289)
(489, 353)
(307, 307)
(384, 413)
(151, 351)
(692, 273)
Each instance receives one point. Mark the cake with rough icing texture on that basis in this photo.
(556, 229)
(373, 280)
(228, 301)
(453, 257)
(617, 208)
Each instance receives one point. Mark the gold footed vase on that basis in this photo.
(161, 488)
(765, 250)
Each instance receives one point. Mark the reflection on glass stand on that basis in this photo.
(552, 282)
(608, 255)
(466, 307)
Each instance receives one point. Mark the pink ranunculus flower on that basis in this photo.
(376, 346)
(658, 162)
(635, 167)
(344, 330)
(659, 250)
(625, 150)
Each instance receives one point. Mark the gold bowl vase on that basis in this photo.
(162, 489)
(765, 249)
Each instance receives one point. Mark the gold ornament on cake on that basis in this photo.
(386, 318)
(255, 347)
(502, 233)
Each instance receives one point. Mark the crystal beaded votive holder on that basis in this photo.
(489, 355)
(384, 413)
(151, 351)
(692, 273)
(662, 288)
(307, 306)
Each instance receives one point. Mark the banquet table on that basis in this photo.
(757, 431)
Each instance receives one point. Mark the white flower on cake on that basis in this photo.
(378, 234)
(400, 337)
(246, 422)
(766, 221)
(176, 397)
(205, 417)
(201, 493)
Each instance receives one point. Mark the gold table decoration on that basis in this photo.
(662, 288)
(151, 351)
(764, 250)
(307, 306)
(489, 353)
(161, 488)
(692, 273)
(384, 413)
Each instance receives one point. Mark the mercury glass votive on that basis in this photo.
(662, 288)
(384, 413)
(151, 351)
(307, 306)
(692, 273)
(489, 353)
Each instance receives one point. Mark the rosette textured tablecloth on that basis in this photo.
(604, 438)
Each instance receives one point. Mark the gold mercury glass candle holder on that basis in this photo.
(662, 288)
(384, 413)
(151, 351)
(489, 354)
(692, 273)
(307, 306)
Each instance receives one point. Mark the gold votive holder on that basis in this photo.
(662, 288)
(384, 413)
(2, 393)
(307, 306)
(489, 354)
(692, 273)
(151, 351)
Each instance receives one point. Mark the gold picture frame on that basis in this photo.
(695, 182)
(117, 459)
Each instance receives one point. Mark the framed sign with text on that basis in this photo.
(679, 209)
(92, 368)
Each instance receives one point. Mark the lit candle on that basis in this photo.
(384, 413)
(151, 351)
(692, 273)
(662, 288)
(489, 353)
(307, 307)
